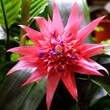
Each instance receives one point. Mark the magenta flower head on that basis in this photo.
(58, 52)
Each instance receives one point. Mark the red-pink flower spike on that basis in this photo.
(58, 52)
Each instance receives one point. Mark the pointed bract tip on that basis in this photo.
(22, 26)
(48, 17)
(17, 58)
(76, 96)
(102, 17)
(9, 50)
(24, 36)
(9, 73)
(101, 74)
(54, 1)
(75, 4)
(32, 18)
(48, 107)
(83, 13)
(23, 85)
(54, 4)
(36, 18)
(107, 73)
(29, 19)
(82, 16)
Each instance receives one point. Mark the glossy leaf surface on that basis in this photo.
(14, 97)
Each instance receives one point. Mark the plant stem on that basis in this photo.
(76, 106)
(7, 32)
(24, 17)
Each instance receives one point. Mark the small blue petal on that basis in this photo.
(61, 41)
(54, 32)
(41, 53)
(54, 44)
(54, 36)
(39, 56)
(69, 34)
(74, 57)
(53, 49)
(57, 53)
(51, 52)
(62, 45)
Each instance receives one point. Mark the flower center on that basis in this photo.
(59, 48)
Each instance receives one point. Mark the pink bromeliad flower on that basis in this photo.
(58, 52)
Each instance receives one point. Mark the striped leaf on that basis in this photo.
(37, 6)
(11, 10)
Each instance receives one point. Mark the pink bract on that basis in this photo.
(58, 52)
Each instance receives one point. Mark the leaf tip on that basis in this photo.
(22, 26)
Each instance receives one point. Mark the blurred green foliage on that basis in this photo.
(99, 28)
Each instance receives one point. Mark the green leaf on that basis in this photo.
(4, 68)
(2, 53)
(103, 82)
(101, 104)
(37, 6)
(11, 8)
(86, 8)
(15, 97)
(13, 43)
(14, 56)
(29, 42)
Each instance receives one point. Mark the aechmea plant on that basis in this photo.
(59, 52)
